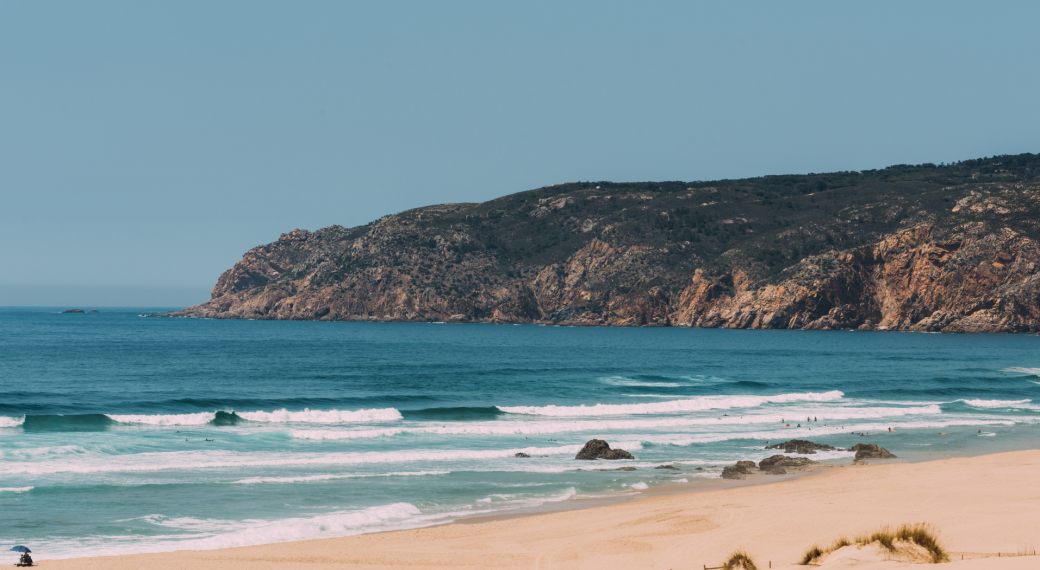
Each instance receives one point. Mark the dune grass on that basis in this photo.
(739, 560)
(922, 535)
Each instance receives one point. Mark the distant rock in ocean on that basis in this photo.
(73, 311)
(599, 449)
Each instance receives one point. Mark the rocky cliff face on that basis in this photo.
(960, 258)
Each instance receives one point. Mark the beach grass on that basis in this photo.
(739, 560)
(923, 535)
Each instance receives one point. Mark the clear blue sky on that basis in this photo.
(145, 146)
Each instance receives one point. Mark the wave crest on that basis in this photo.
(323, 416)
(674, 406)
(8, 421)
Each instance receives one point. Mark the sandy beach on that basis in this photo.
(985, 508)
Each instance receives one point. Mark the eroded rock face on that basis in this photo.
(871, 451)
(974, 268)
(599, 449)
(974, 282)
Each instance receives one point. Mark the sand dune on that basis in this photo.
(983, 506)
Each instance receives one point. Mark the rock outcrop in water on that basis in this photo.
(599, 449)
(924, 248)
(800, 446)
(871, 451)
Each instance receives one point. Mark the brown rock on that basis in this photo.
(599, 449)
(871, 451)
(734, 472)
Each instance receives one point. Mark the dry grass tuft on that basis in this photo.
(922, 535)
(739, 560)
(812, 555)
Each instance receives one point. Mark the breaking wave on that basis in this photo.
(996, 403)
(101, 422)
(553, 427)
(8, 421)
(159, 461)
(674, 406)
(330, 477)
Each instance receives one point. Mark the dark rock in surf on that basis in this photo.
(599, 449)
(734, 472)
(672, 467)
(93, 310)
(521, 454)
(749, 465)
(871, 451)
(779, 464)
(801, 447)
(73, 311)
(771, 461)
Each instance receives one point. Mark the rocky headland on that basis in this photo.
(950, 248)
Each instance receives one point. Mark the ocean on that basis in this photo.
(123, 434)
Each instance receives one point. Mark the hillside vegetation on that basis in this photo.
(761, 252)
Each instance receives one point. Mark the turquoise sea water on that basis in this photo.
(125, 434)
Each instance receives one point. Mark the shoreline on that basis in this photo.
(775, 520)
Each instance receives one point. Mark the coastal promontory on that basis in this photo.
(950, 248)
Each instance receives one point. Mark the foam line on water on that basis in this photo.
(324, 416)
(1023, 370)
(16, 489)
(158, 461)
(674, 406)
(196, 419)
(997, 403)
(210, 534)
(330, 477)
(554, 427)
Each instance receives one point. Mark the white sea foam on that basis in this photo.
(153, 461)
(683, 480)
(996, 403)
(197, 419)
(1022, 370)
(622, 381)
(639, 486)
(329, 477)
(528, 427)
(279, 416)
(8, 421)
(674, 406)
(15, 489)
(324, 416)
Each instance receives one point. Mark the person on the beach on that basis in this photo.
(25, 560)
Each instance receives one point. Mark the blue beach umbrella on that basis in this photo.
(21, 548)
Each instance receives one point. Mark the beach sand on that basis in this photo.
(982, 505)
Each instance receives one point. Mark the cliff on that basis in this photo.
(930, 248)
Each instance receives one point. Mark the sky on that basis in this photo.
(145, 146)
